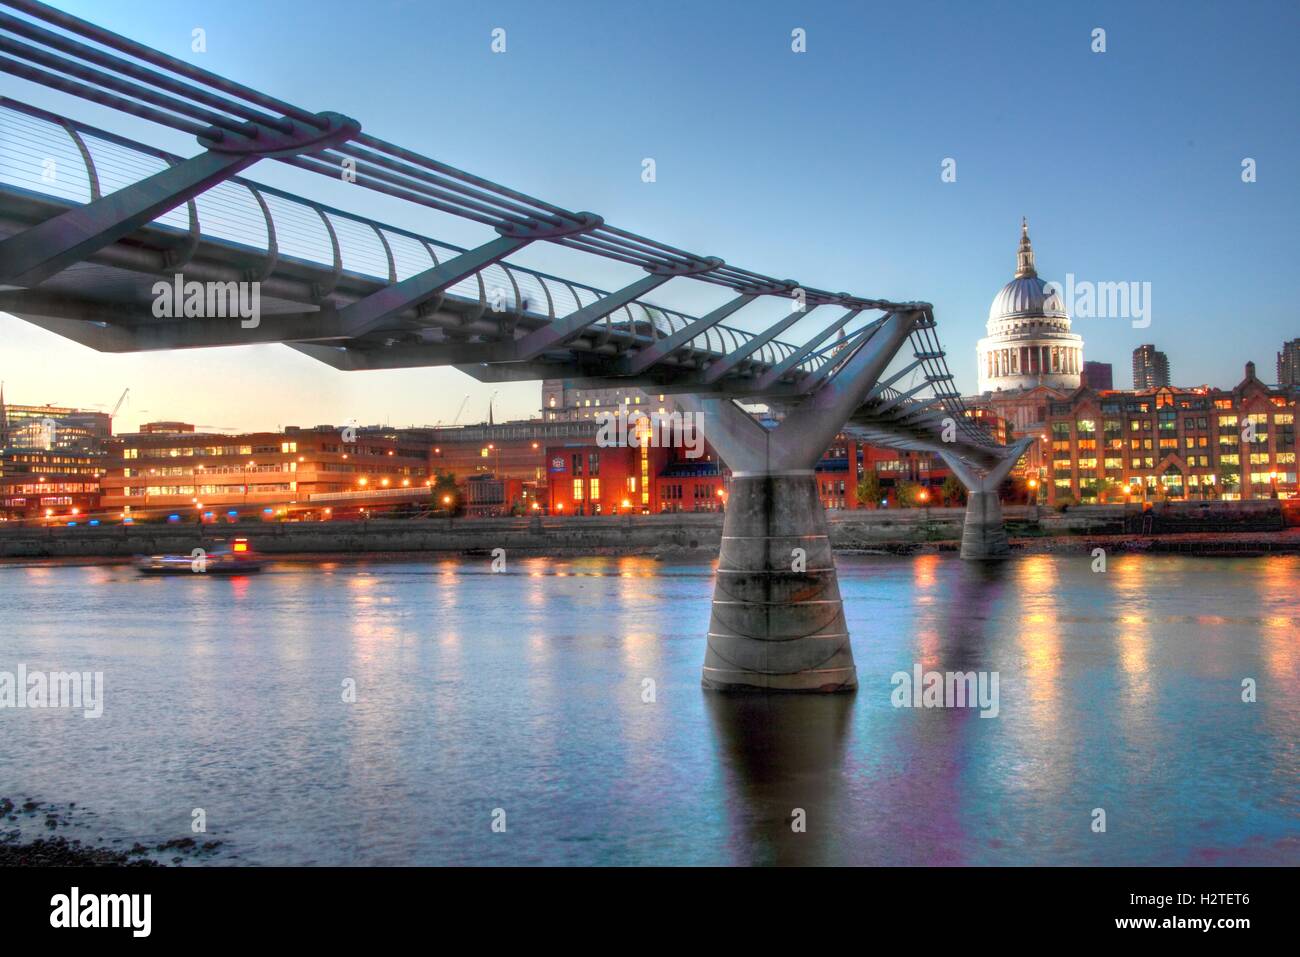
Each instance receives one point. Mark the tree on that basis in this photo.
(445, 493)
(907, 494)
(870, 491)
(954, 493)
(1110, 490)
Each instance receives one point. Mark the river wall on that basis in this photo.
(619, 534)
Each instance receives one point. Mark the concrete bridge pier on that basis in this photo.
(983, 534)
(777, 622)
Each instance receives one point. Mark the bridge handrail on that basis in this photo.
(662, 320)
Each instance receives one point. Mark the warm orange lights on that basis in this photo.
(363, 481)
(446, 500)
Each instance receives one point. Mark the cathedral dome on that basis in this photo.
(1029, 342)
(1026, 296)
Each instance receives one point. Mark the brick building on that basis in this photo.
(1174, 443)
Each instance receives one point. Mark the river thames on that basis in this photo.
(562, 698)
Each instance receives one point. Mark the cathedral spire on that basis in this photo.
(1025, 255)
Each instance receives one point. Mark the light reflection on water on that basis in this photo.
(526, 691)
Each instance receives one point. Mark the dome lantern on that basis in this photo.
(1025, 255)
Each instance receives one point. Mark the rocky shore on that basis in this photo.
(56, 850)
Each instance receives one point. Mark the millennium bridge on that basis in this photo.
(82, 252)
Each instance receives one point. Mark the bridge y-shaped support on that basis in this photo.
(778, 621)
(983, 536)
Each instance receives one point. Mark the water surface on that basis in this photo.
(525, 691)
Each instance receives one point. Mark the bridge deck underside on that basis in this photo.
(115, 288)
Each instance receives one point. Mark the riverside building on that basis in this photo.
(1170, 443)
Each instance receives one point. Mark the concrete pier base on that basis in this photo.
(778, 621)
(983, 536)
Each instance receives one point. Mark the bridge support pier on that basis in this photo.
(983, 534)
(777, 622)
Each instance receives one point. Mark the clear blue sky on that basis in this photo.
(823, 166)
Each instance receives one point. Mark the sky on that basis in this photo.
(824, 166)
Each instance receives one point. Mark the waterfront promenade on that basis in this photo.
(1208, 528)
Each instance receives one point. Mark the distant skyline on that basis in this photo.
(824, 166)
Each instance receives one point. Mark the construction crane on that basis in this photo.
(461, 409)
(119, 402)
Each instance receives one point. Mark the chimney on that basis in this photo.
(1250, 370)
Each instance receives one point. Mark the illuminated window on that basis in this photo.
(645, 475)
(577, 490)
(595, 488)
